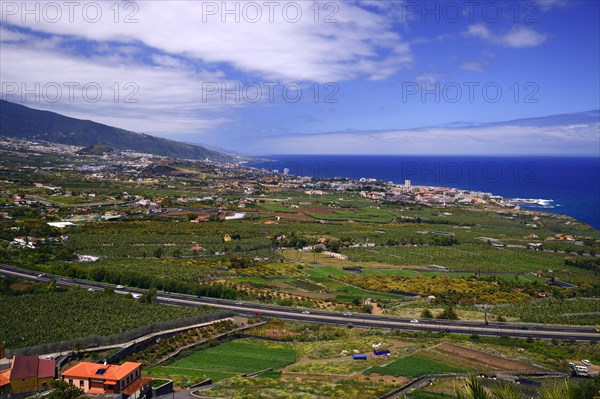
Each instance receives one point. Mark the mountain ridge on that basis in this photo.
(22, 122)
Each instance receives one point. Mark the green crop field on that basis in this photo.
(54, 316)
(186, 377)
(271, 388)
(283, 250)
(567, 311)
(325, 271)
(363, 216)
(227, 360)
(414, 366)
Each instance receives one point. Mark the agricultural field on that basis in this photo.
(272, 388)
(415, 366)
(460, 290)
(165, 348)
(325, 343)
(464, 257)
(169, 238)
(360, 216)
(565, 311)
(335, 250)
(319, 359)
(226, 360)
(60, 315)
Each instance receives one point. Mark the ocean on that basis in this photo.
(565, 185)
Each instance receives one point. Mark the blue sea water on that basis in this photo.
(571, 184)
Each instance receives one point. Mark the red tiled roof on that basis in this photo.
(24, 366)
(32, 366)
(4, 377)
(89, 370)
(46, 368)
(136, 385)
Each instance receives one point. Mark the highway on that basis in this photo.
(538, 331)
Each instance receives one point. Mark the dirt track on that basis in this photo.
(496, 362)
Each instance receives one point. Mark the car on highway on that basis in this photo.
(41, 275)
(586, 362)
(414, 321)
(90, 289)
(581, 369)
(168, 299)
(257, 313)
(306, 312)
(448, 330)
(120, 287)
(239, 303)
(348, 314)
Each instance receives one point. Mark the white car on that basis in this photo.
(41, 275)
(306, 312)
(239, 303)
(348, 314)
(90, 289)
(586, 362)
(414, 321)
(119, 287)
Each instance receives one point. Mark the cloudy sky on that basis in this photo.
(363, 76)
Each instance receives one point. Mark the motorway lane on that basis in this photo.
(322, 317)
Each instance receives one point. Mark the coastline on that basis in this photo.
(559, 185)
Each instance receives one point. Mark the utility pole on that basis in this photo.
(485, 314)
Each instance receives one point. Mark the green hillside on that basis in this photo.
(18, 121)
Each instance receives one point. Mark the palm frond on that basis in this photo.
(472, 389)
(558, 391)
(506, 391)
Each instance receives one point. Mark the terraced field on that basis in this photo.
(226, 360)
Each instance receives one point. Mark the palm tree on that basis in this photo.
(473, 389)
(506, 391)
(558, 391)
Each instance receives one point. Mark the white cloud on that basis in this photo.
(548, 4)
(176, 46)
(475, 66)
(168, 99)
(479, 30)
(522, 37)
(493, 139)
(516, 37)
(428, 81)
(360, 43)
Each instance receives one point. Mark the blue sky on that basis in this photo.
(392, 77)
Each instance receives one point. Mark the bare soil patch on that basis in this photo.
(293, 216)
(492, 361)
(320, 211)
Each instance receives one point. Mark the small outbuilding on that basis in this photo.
(27, 373)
